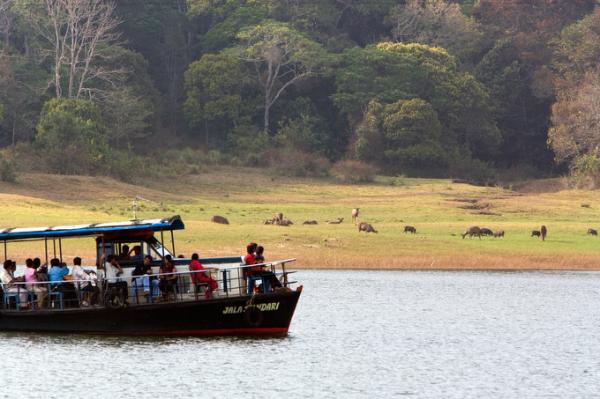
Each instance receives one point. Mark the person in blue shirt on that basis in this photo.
(56, 275)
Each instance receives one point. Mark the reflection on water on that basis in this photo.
(355, 334)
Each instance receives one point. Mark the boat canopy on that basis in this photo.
(95, 229)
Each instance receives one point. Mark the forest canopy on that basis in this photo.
(451, 88)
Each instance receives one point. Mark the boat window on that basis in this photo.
(158, 249)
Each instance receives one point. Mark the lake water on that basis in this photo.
(355, 334)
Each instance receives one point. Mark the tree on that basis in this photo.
(72, 136)
(576, 120)
(80, 34)
(5, 22)
(214, 88)
(391, 72)
(280, 57)
(436, 23)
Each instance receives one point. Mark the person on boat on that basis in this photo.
(168, 283)
(40, 291)
(86, 282)
(113, 271)
(57, 275)
(10, 282)
(41, 270)
(201, 277)
(259, 254)
(125, 255)
(270, 277)
(144, 278)
(249, 259)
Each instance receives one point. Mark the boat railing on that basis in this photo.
(231, 281)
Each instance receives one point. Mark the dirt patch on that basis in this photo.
(467, 200)
(476, 207)
(541, 186)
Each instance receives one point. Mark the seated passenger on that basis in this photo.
(202, 278)
(41, 270)
(258, 255)
(56, 275)
(10, 282)
(144, 278)
(113, 271)
(86, 282)
(135, 251)
(124, 255)
(249, 259)
(169, 282)
(31, 278)
(270, 277)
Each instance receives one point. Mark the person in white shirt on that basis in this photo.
(113, 271)
(7, 277)
(86, 282)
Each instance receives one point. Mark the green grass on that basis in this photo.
(247, 197)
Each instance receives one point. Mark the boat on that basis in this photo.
(241, 305)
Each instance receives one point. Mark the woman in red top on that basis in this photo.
(202, 278)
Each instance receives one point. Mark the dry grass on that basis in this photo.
(247, 197)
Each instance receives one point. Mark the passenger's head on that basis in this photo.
(8, 264)
(37, 262)
(29, 263)
(77, 261)
(125, 250)
(55, 262)
(260, 250)
(169, 258)
(195, 256)
(250, 248)
(147, 260)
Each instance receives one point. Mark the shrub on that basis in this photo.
(353, 172)
(473, 171)
(296, 163)
(7, 170)
(585, 171)
(71, 137)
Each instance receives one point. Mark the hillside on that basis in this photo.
(437, 208)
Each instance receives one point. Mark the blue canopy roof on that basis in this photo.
(95, 229)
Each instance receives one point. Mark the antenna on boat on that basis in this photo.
(134, 204)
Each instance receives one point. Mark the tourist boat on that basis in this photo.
(233, 309)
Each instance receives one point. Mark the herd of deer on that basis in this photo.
(473, 231)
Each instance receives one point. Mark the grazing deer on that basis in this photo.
(536, 233)
(472, 231)
(355, 213)
(486, 232)
(410, 229)
(219, 219)
(592, 232)
(366, 227)
(499, 233)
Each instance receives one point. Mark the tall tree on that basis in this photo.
(79, 34)
(280, 58)
(437, 23)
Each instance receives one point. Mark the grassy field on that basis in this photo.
(434, 207)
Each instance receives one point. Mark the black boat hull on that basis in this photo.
(265, 314)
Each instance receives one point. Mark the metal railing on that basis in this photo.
(116, 291)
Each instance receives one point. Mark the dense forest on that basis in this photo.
(471, 89)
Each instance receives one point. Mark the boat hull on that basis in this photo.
(264, 314)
